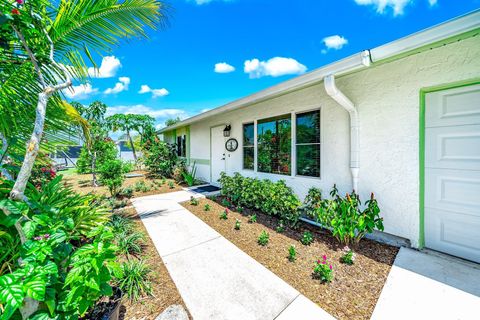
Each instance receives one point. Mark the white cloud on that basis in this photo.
(200, 2)
(80, 92)
(223, 67)
(275, 67)
(108, 68)
(120, 86)
(155, 92)
(335, 42)
(432, 2)
(143, 109)
(381, 5)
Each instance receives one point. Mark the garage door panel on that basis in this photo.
(455, 147)
(454, 107)
(452, 172)
(457, 190)
(453, 233)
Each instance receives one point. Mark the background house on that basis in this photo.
(401, 120)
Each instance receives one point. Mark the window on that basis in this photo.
(248, 146)
(181, 146)
(308, 144)
(274, 145)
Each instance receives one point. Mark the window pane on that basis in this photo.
(184, 146)
(308, 160)
(248, 158)
(308, 127)
(248, 135)
(274, 145)
(179, 146)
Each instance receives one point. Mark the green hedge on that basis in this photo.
(272, 198)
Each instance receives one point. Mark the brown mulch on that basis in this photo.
(82, 183)
(165, 293)
(355, 289)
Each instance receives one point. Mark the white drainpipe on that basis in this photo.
(347, 104)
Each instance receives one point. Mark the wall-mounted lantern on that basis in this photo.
(226, 131)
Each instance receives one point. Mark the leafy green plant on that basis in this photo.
(307, 238)
(112, 175)
(224, 214)
(126, 192)
(120, 224)
(252, 218)
(280, 228)
(139, 186)
(272, 198)
(348, 256)
(226, 203)
(194, 201)
(189, 176)
(130, 242)
(323, 270)
(292, 253)
(348, 222)
(171, 184)
(207, 207)
(240, 209)
(116, 204)
(237, 224)
(263, 238)
(312, 202)
(135, 279)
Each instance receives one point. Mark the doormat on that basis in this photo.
(206, 189)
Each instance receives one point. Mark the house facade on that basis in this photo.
(401, 120)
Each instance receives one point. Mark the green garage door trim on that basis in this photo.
(423, 93)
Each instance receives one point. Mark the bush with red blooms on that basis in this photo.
(42, 174)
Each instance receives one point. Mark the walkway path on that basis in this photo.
(430, 286)
(216, 279)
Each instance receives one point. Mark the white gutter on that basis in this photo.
(347, 104)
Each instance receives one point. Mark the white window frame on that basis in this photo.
(254, 146)
(294, 138)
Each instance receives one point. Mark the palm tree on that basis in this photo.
(70, 32)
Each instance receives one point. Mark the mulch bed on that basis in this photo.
(82, 183)
(355, 289)
(165, 293)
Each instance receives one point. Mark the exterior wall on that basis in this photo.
(387, 97)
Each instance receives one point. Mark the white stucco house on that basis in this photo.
(401, 120)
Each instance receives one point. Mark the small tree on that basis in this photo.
(112, 175)
(172, 121)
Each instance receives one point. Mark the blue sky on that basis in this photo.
(216, 51)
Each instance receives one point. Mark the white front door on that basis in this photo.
(217, 154)
(452, 171)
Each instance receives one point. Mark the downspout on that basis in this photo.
(347, 104)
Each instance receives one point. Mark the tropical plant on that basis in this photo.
(112, 175)
(172, 121)
(224, 214)
(126, 192)
(135, 279)
(207, 207)
(252, 218)
(171, 185)
(120, 224)
(160, 158)
(130, 242)
(237, 224)
(189, 176)
(344, 216)
(263, 238)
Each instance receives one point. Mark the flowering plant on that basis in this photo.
(323, 270)
(348, 256)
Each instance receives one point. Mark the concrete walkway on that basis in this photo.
(430, 286)
(216, 279)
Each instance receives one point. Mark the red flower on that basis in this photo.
(19, 1)
(324, 257)
(330, 267)
(318, 261)
(15, 11)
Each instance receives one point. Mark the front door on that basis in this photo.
(452, 171)
(217, 154)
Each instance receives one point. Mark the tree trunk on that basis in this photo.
(94, 168)
(4, 157)
(33, 146)
(132, 146)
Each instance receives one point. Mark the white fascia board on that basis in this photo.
(450, 28)
(348, 64)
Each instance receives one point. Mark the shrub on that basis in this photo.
(135, 282)
(240, 209)
(237, 224)
(128, 166)
(263, 238)
(160, 158)
(348, 222)
(120, 224)
(130, 242)
(194, 201)
(179, 170)
(206, 207)
(126, 192)
(105, 150)
(280, 227)
(312, 202)
(292, 253)
(348, 256)
(252, 218)
(42, 174)
(139, 186)
(116, 204)
(273, 198)
(224, 214)
(322, 270)
(171, 184)
(112, 175)
(226, 203)
(307, 238)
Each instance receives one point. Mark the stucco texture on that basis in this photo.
(387, 97)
